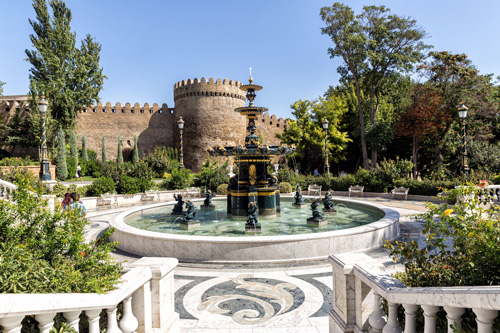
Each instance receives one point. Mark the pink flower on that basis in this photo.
(483, 183)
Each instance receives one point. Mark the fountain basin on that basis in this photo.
(252, 249)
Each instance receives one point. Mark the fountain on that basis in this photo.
(252, 183)
(284, 233)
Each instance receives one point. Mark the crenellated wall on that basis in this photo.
(153, 126)
(207, 107)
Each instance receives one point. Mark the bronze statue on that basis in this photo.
(317, 214)
(208, 199)
(190, 213)
(327, 201)
(299, 200)
(177, 210)
(253, 215)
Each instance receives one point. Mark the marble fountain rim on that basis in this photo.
(391, 216)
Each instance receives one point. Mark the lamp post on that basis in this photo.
(462, 114)
(325, 127)
(180, 123)
(44, 166)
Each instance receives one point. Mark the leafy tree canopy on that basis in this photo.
(68, 76)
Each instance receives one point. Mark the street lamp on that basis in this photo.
(180, 123)
(325, 127)
(44, 166)
(462, 114)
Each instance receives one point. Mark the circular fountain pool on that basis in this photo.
(151, 231)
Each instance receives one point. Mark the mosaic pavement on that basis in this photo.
(218, 298)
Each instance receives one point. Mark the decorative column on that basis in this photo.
(44, 166)
(180, 123)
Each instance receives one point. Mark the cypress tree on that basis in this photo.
(119, 155)
(104, 158)
(85, 157)
(135, 153)
(62, 168)
(73, 147)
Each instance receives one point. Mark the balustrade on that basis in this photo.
(6, 190)
(358, 274)
(143, 303)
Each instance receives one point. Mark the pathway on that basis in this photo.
(264, 298)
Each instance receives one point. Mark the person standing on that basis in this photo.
(316, 173)
(78, 172)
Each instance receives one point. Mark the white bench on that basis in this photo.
(356, 189)
(191, 192)
(315, 189)
(400, 192)
(150, 195)
(107, 199)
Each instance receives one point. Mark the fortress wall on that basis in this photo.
(152, 124)
(207, 108)
(269, 126)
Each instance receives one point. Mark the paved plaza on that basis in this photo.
(259, 298)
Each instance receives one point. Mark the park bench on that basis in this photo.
(356, 189)
(314, 189)
(191, 192)
(107, 199)
(150, 195)
(400, 192)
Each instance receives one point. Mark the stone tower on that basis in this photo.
(207, 109)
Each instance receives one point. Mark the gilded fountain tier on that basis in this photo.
(253, 183)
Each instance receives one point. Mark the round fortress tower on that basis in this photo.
(207, 108)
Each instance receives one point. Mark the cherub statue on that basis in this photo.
(177, 210)
(190, 213)
(253, 215)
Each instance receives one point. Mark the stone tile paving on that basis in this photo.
(265, 298)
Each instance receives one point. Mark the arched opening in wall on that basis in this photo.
(277, 125)
(171, 111)
(132, 111)
(113, 110)
(103, 110)
(127, 154)
(142, 111)
(93, 110)
(150, 111)
(123, 110)
(160, 111)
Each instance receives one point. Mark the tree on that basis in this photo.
(457, 80)
(1, 87)
(62, 168)
(73, 146)
(104, 157)
(85, 156)
(307, 133)
(69, 77)
(135, 153)
(119, 154)
(422, 118)
(374, 46)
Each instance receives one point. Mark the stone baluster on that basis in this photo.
(128, 323)
(484, 319)
(377, 319)
(93, 318)
(112, 322)
(430, 318)
(410, 318)
(392, 323)
(142, 308)
(4, 192)
(11, 324)
(73, 318)
(454, 316)
(45, 321)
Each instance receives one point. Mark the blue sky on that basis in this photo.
(149, 45)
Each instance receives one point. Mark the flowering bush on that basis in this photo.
(483, 183)
(18, 161)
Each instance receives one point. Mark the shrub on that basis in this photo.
(113, 170)
(285, 187)
(369, 179)
(130, 185)
(139, 170)
(47, 253)
(342, 183)
(96, 174)
(59, 190)
(18, 161)
(81, 190)
(222, 189)
(212, 174)
(61, 170)
(71, 165)
(101, 186)
(179, 179)
(425, 186)
(90, 167)
(461, 246)
(162, 160)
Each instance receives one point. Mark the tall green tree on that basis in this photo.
(119, 154)
(62, 168)
(68, 76)
(135, 153)
(374, 46)
(306, 131)
(73, 146)
(104, 158)
(85, 156)
(1, 87)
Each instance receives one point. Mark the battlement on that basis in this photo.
(271, 121)
(210, 88)
(128, 108)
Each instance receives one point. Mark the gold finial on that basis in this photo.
(251, 78)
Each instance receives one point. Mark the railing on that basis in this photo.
(491, 194)
(6, 189)
(146, 292)
(359, 285)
